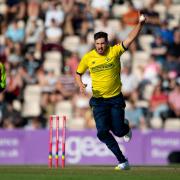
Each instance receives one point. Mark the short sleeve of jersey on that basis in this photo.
(82, 67)
(119, 49)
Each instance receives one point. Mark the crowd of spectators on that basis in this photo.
(42, 41)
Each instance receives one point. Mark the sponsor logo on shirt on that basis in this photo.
(102, 67)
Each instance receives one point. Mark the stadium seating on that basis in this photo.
(172, 124)
(31, 106)
(71, 43)
(53, 62)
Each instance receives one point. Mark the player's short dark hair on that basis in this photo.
(101, 35)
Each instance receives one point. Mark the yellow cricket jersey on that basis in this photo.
(104, 71)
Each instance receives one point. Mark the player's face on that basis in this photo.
(101, 45)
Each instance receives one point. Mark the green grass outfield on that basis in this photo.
(89, 173)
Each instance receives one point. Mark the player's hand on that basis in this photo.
(142, 18)
(82, 88)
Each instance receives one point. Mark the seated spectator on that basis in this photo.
(68, 82)
(165, 33)
(53, 32)
(77, 19)
(34, 32)
(33, 9)
(16, 9)
(15, 55)
(103, 26)
(168, 4)
(174, 103)
(151, 70)
(135, 115)
(80, 107)
(174, 47)
(3, 105)
(14, 82)
(72, 62)
(100, 7)
(131, 17)
(159, 49)
(15, 32)
(158, 101)
(56, 13)
(11, 117)
(83, 47)
(34, 124)
(129, 81)
(153, 19)
(171, 63)
(31, 64)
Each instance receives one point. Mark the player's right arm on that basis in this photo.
(82, 67)
(135, 32)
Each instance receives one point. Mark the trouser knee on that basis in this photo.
(102, 135)
(121, 132)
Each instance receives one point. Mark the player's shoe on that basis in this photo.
(123, 166)
(128, 136)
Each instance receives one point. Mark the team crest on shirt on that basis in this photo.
(107, 59)
(93, 62)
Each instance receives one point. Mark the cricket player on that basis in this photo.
(107, 102)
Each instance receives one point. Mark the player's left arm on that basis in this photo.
(135, 32)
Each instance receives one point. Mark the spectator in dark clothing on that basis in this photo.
(153, 19)
(175, 46)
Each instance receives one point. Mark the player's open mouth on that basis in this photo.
(100, 50)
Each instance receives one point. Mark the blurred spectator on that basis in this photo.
(158, 101)
(31, 64)
(103, 26)
(14, 84)
(83, 47)
(15, 54)
(174, 103)
(15, 32)
(171, 63)
(129, 81)
(11, 117)
(174, 100)
(100, 7)
(81, 107)
(174, 47)
(165, 33)
(68, 82)
(72, 62)
(33, 9)
(34, 124)
(135, 115)
(34, 32)
(153, 19)
(2, 108)
(54, 12)
(131, 17)
(16, 9)
(159, 49)
(151, 70)
(49, 101)
(53, 32)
